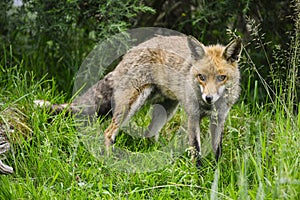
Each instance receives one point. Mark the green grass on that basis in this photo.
(260, 156)
(52, 159)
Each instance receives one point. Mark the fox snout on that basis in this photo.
(212, 87)
(211, 98)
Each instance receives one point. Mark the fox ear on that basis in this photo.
(196, 47)
(233, 50)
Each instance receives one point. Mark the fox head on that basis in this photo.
(215, 68)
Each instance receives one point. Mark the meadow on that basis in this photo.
(260, 160)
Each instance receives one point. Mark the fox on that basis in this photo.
(203, 80)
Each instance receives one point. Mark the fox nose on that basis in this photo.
(209, 98)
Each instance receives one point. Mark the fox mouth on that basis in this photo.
(208, 103)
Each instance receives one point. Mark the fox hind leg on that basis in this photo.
(162, 112)
(124, 109)
(110, 131)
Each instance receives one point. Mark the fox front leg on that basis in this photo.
(194, 139)
(217, 121)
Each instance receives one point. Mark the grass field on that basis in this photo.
(52, 159)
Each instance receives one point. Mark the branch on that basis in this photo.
(4, 147)
(5, 169)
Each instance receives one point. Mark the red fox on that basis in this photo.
(204, 80)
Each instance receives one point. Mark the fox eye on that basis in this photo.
(221, 78)
(202, 77)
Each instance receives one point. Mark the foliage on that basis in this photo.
(59, 34)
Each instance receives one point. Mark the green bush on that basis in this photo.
(53, 37)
